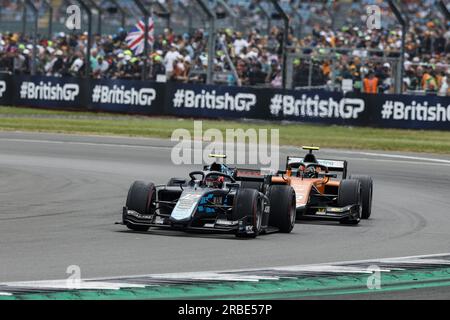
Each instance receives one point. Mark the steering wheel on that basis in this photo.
(316, 165)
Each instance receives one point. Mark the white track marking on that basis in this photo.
(85, 143)
(393, 156)
(401, 162)
(326, 268)
(233, 275)
(398, 158)
(224, 276)
(62, 284)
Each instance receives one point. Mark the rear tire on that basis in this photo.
(248, 202)
(139, 199)
(282, 207)
(366, 194)
(350, 194)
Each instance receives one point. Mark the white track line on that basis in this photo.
(416, 160)
(394, 156)
(231, 275)
(96, 144)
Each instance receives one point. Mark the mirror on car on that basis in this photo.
(179, 181)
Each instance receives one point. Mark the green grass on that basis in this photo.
(39, 120)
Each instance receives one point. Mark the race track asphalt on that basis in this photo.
(61, 194)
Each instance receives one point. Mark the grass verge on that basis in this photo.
(38, 120)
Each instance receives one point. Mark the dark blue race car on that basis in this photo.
(213, 201)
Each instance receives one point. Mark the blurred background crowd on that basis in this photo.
(328, 42)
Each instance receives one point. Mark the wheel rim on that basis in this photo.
(360, 201)
(258, 221)
(292, 211)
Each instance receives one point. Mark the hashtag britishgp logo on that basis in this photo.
(96, 94)
(388, 108)
(276, 104)
(241, 102)
(416, 111)
(120, 95)
(2, 88)
(48, 91)
(178, 99)
(314, 107)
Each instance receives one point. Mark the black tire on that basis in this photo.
(366, 194)
(139, 199)
(350, 194)
(282, 207)
(248, 202)
(252, 185)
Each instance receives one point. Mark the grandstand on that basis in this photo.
(327, 44)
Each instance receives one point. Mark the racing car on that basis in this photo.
(210, 201)
(319, 192)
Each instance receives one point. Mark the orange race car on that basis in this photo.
(322, 189)
(320, 194)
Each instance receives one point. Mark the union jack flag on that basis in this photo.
(136, 37)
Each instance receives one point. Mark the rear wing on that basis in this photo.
(256, 175)
(332, 165)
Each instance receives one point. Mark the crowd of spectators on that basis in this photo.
(322, 58)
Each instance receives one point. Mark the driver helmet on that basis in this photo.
(216, 167)
(214, 181)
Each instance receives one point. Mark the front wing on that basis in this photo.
(243, 226)
(329, 213)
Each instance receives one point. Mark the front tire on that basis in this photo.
(350, 194)
(248, 203)
(366, 194)
(140, 198)
(282, 207)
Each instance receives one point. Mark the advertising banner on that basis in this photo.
(49, 92)
(212, 101)
(428, 112)
(409, 112)
(317, 107)
(5, 89)
(126, 96)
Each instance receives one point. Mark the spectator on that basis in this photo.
(157, 68)
(170, 58)
(371, 83)
(429, 81)
(256, 56)
(445, 84)
(256, 76)
(239, 44)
